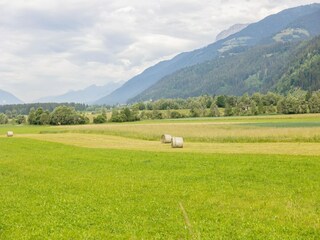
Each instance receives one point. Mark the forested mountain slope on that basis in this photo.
(276, 67)
(304, 70)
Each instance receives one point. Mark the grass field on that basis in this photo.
(236, 178)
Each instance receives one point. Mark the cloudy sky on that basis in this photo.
(48, 47)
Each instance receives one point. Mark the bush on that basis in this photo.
(32, 116)
(45, 118)
(229, 111)
(214, 110)
(145, 115)
(221, 101)
(156, 115)
(100, 119)
(3, 118)
(20, 119)
(125, 115)
(39, 117)
(289, 105)
(64, 115)
(117, 116)
(176, 114)
(314, 103)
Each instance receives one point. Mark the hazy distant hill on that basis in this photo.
(8, 98)
(87, 95)
(276, 67)
(289, 24)
(232, 30)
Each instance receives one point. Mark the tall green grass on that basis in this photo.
(294, 124)
(23, 129)
(54, 191)
(260, 129)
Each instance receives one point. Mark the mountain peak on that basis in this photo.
(8, 98)
(86, 95)
(231, 30)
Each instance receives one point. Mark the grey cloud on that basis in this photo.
(51, 20)
(81, 58)
(116, 40)
(49, 48)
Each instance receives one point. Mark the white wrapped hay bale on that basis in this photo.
(9, 134)
(166, 138)
(177, 142)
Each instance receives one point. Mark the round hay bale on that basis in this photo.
(177, 142)
(166, 138)
(9, 134)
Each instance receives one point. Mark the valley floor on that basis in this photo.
(235, 178)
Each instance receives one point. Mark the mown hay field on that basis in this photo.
(235, 178)
(289, 128)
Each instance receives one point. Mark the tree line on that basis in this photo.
(13, 110)
(62, 115)
(296, 102)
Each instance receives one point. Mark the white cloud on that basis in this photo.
(49, 47)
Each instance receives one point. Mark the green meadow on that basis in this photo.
(235, 178)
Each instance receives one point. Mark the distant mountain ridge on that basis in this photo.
(231, 30)
(86, 95)
(259, 33)
(8, 98)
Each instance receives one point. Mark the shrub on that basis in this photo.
(64, 115)
(176, 114)
(156, 115)
(214, 110)
(3, 118)
(125, 115)
(100, 119)
(20, 119)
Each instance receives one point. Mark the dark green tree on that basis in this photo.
(32, 116)
(214, 110)
(314, 103)
(3, 118)
(289, 105)
(101, 118)
(221, 101)
(176, 114)
(45, 118)
(20, 119)
(64, 115)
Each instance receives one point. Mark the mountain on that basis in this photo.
(262, 32)
(232, 30)
(277, 67)
(8, 98)
(304, 70)
(87, 95)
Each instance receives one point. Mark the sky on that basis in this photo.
(48, 47)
